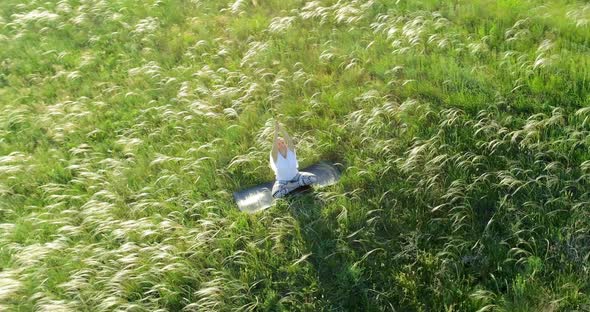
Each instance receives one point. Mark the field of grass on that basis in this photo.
(464, 127)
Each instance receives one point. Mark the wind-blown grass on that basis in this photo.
(464, 128)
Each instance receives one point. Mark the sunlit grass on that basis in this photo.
(464, 128)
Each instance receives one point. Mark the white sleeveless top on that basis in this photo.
(285, 168)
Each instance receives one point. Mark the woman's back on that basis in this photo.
(285, 168)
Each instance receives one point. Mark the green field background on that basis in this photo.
(463, 127)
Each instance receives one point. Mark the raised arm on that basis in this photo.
(288, 139)
(275, 149)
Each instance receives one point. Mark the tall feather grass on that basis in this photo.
(464, 130)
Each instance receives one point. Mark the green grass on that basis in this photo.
(464, 126)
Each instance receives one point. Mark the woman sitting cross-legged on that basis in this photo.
(283, 162)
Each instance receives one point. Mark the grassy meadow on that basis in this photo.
(463, 126)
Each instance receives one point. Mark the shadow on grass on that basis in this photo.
(341, 284)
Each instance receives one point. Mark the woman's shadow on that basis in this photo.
(341, 285)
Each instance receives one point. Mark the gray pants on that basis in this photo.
(282, 188)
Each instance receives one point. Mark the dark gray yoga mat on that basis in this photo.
(259, 197)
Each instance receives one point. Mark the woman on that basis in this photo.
(283, 162)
